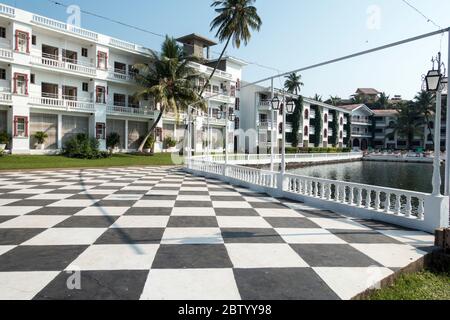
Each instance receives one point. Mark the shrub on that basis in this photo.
(112, 140)
(83, 147)
(40, 137)
(169, 142)
(5, 138)
(150, 143)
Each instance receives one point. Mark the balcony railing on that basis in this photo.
(208, 70)
(359, 120)
(145, 111)
(63, 104)
(6, 54)
(220, 96)
(265, 105)
(312, 114)
(54, 62)
(5, 97)
(57, 25)
(7, 10)
(121, 75)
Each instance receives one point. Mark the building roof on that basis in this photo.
(351, 107)
(385, 113)
(367, 91)
(194, 36)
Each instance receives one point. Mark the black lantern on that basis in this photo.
(275, 103)
(444, 84)
(219, 115)
(290, 107)
(232, 117)
(433, 80)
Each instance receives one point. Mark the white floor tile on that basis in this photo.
(338, 224)
(191, 284)
(193, 212)
(102, 211)
(279, 213)
(163, 192)
(141, 222)
(154, 204)
(124, 197)
(264, 256)
(23, 285)
(5, 249)
(51, 196)
(305, 236)
(192, 236)
(4, 202)
(98, 192)
(391, 255)
(33, 222)
(413, 238)
(31, 191)
(193, 198)
(349, 282)
(66, 236)
(16, 211)
(74, 203)
(232, 204)
(261, 199)
(116, 257)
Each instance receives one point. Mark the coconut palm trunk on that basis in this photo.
(151, 130)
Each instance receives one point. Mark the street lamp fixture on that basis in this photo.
(290, 107)
(232, 117)
(433, 80)
(444, 85)
(219, 115)
(275, 104)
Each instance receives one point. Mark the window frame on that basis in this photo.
(83, 50)
(100, 126)
(97, 91)
(25, 128)
(16, 75)
(2, 32)
(102, 55)
(2, 74)
(27, 39)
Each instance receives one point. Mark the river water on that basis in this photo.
(406, 176)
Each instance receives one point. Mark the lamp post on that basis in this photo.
(272, 96)
(275, 106)
(447, 149)
(433, 82)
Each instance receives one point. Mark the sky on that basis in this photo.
(295, 34)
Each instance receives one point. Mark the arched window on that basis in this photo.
(281, 109)
(306, 132)
(325, 134)
(280, 128)
(237, 123)
(341, 121)
(325, 118)
(341, 135)
(306, 114)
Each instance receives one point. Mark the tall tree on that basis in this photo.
(425, 101)
(169, 81)
(234, 21)
(334, 100)
(408, 122)
(293, 83)
(297, 121)
(317, 97)
(383, 101)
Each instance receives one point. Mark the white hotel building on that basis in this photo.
(65, 80)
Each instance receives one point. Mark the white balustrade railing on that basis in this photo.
(6, 54)
(7, 10)
(379, 199)
(72, 105)
(58, 64)
(58, 25)
(129, 110)
(410, 209)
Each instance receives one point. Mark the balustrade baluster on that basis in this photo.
(398, 204)
(359, 198)
(351, 196)
(408, 206)
(387, 203)
(377, 200)
(368, 198)
(421, 209)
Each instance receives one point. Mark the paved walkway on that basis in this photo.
(158, 233)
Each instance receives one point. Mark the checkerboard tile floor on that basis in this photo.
(159, 233)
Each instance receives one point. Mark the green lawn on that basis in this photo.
(424, 285)
(16, 162)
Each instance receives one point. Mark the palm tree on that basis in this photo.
(169, 81)
(335, 101)
(293, 83)
(425, 101)
(383, 101)
(317, 97)
(235, 19)
(408, 122)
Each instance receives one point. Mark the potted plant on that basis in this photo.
(150, 144)
(113, 142)
(169, 143)
(4, 140)
(40, 139)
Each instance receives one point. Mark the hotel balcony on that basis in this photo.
(7, 11)
(63, 27)
(345, 121)
(330, 133)
(330, 118)
(312, 130)
(345, 135)
(361, 134)
(380, 124)
(130, 111)
(265, 105)
(54, 62)
(361, 121)
(66, 104)
(208, 71)
(266, 125)
(221, 96)
(6, 54)
(312, 114)
(6, 96)
(120, 75)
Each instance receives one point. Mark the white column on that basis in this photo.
(126, 134)
(226, 140)
(272, 120)
(283, 144)
(59, 132)
(447, 149)
(437, 148)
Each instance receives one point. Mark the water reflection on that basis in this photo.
(407, 176)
